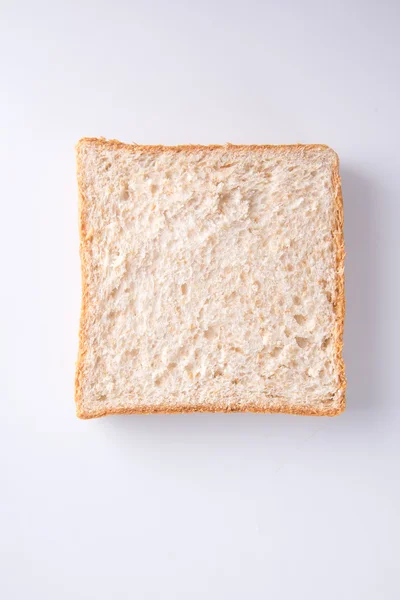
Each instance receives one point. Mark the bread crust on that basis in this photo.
(230, 405)
(340, 300)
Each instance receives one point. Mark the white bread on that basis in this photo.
(212, 279)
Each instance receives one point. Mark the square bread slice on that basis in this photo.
(212, 279)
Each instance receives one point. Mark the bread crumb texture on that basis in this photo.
(212, 279)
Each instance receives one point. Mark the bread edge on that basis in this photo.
(82, 346)
(116, 144)
(339, 305)
(340, 298)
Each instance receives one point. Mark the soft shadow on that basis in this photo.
(361, 335)
(219, 428)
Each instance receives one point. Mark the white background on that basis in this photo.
(195, 506)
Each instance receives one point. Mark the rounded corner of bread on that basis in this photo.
(331, 152)
(87, 141)
(336, 412)
(80, 412)
(85, 415)
(339, 408)
(83, 141)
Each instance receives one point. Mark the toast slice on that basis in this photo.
(212, 279)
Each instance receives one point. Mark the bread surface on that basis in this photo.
(212, 279)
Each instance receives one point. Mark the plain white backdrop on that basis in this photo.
(195, 506)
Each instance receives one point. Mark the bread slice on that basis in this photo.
(212, 279)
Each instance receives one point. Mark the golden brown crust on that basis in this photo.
(209, 408)
(339, 305)
(340, 302)
(195, 147)
(84, 279)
